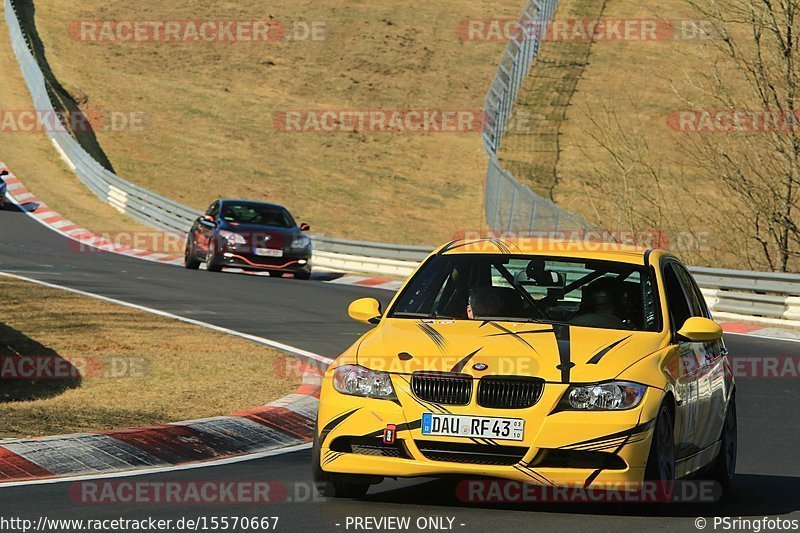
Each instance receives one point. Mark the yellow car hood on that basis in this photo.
(555, 353)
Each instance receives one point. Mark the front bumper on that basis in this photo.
(566, 448)
(243, 258)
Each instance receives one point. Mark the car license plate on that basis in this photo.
(472, 426)
(269, 252)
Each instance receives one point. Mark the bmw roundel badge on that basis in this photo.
(480, 367)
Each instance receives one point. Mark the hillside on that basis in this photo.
(210, 110)
(626, 95)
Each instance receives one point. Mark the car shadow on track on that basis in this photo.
(754, 495)
(30, 370)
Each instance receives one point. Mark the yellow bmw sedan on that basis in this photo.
(549, 362)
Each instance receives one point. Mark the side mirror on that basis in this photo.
(304, 227)
(207, 218)
(698, 329)
(367, 310)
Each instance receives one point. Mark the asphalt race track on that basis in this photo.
(308, 315)
(312, 315)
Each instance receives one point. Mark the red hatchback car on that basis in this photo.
(251, 236)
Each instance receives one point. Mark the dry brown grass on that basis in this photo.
(32, 157)
(210, 134)
(188, 371)
(639, 84)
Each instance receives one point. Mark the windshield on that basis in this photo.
(260, 214)
(579, 292)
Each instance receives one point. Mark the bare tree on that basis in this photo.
(632, 182)
(754, 153)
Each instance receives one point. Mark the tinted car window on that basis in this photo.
(260, 214)
(697, 302)
(676, 297)
(530, 288)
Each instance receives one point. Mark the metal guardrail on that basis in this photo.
(509, 204)
(140, 204)
(748, 281)
(399, 252)
(144, 206)
(363, 265)
(752, 294)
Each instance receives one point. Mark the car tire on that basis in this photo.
(660, 468)
(330, 485)
(303, 274)
(190, 260)
(274, 274)
(723, 469)
(212, 262)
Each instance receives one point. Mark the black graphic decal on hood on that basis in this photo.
(461, 364)
(434, 335)
(599, 355)
(518, 336)
(519, 333)
(564, 351)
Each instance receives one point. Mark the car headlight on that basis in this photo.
(611, 396)
(360, 381)
(301, 241)
(232, 237)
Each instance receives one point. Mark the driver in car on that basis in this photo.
(599, 305)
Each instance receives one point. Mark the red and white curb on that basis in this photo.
(20, 195)
(756, 330)
(281, 424)
(374, 283)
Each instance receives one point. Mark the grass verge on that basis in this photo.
(117, 367)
